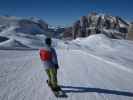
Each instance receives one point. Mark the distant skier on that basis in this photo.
(49, 59)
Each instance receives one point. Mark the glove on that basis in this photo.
(56, 66)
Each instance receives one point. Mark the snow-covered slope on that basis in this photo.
(94, 68)
(19, 29)
(101, 43)
(12, 43)
(22, 25)
(30, 32)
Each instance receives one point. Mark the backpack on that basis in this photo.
(45, 55)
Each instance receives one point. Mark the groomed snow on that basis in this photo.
(95, 68)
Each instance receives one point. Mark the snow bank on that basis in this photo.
(101, 42)
(95, 42)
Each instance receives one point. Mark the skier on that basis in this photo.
(49, 59)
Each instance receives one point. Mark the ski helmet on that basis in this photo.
(48, 41)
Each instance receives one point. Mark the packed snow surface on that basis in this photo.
(94, 68)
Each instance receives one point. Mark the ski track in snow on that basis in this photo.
(82, 75)
(108, 62)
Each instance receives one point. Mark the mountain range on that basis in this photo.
(96, 23)
(30, 32)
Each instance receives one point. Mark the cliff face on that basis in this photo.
(113, 27)
(130, 32)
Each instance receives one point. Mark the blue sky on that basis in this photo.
(65, 12)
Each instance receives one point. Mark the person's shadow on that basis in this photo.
(73, 89)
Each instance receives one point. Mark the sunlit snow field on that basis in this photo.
(93, 68)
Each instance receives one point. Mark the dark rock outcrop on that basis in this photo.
(2, 38)
(94, 23)
(130, 32)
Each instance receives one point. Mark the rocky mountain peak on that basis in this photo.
(94, 23)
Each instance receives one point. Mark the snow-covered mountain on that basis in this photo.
(25, 32)
(96, 23)
(22, 25)
(31, 32)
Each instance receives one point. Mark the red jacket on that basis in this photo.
(45, 55)
(48, 57)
